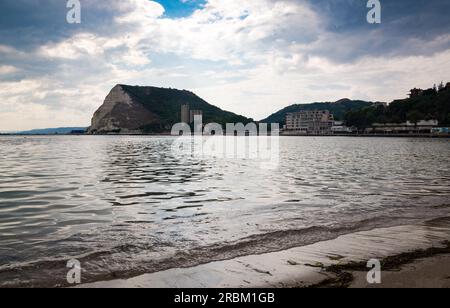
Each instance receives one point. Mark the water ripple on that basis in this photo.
(129, 203)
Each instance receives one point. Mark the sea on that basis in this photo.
(127, 205)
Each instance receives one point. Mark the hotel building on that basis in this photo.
(314, 122)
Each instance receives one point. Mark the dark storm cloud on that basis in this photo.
(407, 17)
(408, 27)
(27, 24)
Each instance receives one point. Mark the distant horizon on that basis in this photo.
(86, 126)
(251, 58)
(297, 103)
(41, 129)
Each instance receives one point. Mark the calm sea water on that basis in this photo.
(127, 205)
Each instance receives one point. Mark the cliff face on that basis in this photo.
(133, 109)
(121, 113)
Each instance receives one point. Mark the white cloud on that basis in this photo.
(7, 69)
(233, 31)
(251, 57)
(140, 11)
(83, 44)
(7, 49)
(265, 91)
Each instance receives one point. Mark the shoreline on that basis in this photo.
(353, 274)
(334, 263)
(423, 136)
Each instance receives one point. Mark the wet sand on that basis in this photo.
(315, 265)
(432, 272)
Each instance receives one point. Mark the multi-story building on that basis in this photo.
(195, 113)
(185, 116)
(315, 122)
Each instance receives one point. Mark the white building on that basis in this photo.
(340, 128)
(421, 127)
(195, 113)
(187, 115)
(315, 122)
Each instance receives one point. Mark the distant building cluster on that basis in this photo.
(188, 115)
(421, 127)
(322, 123)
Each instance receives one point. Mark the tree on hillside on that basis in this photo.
(434, 106)
(364, 117)
(430, 92)
(415, 117)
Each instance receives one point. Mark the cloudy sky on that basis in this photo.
(252, 57)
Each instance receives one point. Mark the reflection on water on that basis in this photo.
(125, 205)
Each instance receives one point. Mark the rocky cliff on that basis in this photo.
(121, 113)
(133, 109)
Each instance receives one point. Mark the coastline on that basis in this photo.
(426, 136)
(334, 263)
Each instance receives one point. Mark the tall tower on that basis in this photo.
(193, 114)
(185, 114)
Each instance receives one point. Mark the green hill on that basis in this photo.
(134, 109)
(52, 131)
(339, 109)
(166, 103)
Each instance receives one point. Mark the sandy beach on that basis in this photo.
(432, 272)
(413, 256)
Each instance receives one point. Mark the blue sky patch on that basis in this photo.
(180, 8)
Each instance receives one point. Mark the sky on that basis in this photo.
(251, 57)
